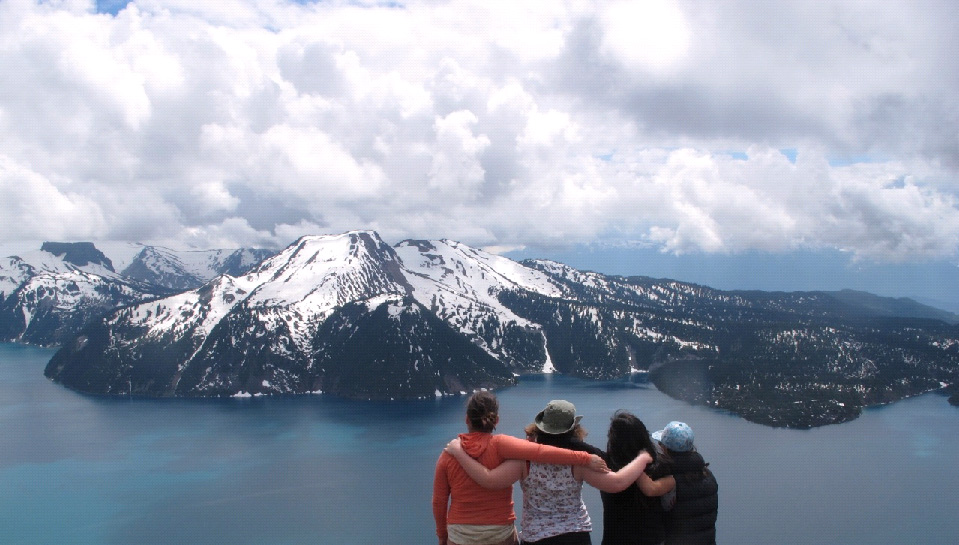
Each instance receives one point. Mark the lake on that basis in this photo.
(315, 469)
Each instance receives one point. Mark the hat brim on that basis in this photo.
(543, 427)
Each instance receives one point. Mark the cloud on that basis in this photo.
(769, 203)
(650, 36)
(498, 124)
(455, 166)
(32, 203)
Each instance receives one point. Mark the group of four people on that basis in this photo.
(655, 488)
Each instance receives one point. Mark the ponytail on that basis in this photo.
(482, 410)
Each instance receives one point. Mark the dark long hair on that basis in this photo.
(627, 436)
(482, 410)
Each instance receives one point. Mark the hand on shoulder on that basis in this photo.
(597, 464)
(453, 446)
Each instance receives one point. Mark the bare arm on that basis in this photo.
(618, 481)
(652, 489)
(502, 476)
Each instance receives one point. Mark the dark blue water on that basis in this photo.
(86, 470)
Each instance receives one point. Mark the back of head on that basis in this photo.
(627, 436)
(482, 411)
(572, 439)
(676, 437)
(558, 424)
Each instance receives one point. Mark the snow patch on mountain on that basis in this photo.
(462, 284)
(16, 269)
(293, 291)
(567, 273)
(548, 366)
(13, 273)
(325, 272)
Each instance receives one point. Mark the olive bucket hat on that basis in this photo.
(558, 417)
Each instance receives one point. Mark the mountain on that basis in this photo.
(893, 307)
(353, 316)
(47, 295)
(326, 314)
(464, 287)
(81, 254)
(186, 270)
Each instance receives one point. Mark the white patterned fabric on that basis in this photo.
(552, 503)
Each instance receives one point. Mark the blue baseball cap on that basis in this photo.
(676, 436)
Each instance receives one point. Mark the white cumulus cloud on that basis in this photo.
(692, 125)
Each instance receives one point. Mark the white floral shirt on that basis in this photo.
(552, 503)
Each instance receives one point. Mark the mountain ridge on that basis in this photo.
(70, 283)
(353, 316)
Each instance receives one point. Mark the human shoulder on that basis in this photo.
(660, 468)
(500, 440)
(444, 460)
(689, 467)
(502, 446)
(586, 447)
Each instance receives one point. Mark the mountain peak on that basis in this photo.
(80, 254)
(328, 270)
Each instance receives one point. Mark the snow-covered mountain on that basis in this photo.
(462, 286)
(47, 295)
(277, 329)
(182, 270)
(350, 315)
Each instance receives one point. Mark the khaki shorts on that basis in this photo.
(511, 540)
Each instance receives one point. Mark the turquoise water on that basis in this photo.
(88, 470)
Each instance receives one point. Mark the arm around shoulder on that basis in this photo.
(620, 480)
(521, 449)
(652, 489)
(502, 476)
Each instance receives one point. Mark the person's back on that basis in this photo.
(553, 508)
(630, 517)
(471, 503)
(552, 503)
(692, 518)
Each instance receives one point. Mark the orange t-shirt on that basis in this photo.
(458, 499)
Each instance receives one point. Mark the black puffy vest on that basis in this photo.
(692, 521)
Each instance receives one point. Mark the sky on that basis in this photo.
(740, 144)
